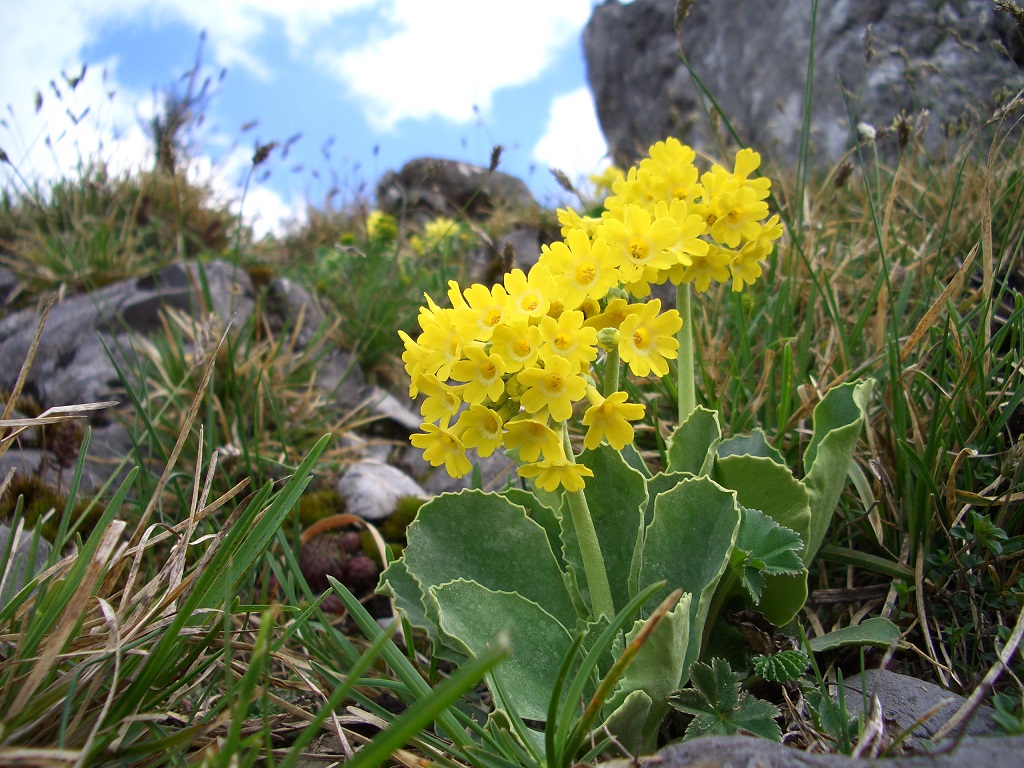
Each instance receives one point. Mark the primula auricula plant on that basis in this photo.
(508, 366)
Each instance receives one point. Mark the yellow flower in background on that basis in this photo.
(647, 338)
(517, 343)
(532, 438)
(605, 180)
(480, 428)
(440, 234)
(381, 226)
(550, 475)
(568, 338)
(482, 373)
(608, 419)
(442, 446)
(572, 221)
(553, 387)
(442, 340)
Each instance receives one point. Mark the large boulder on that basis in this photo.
(873, 61)
(438, 187)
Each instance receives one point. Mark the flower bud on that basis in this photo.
(608, 338)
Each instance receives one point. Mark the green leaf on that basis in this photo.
(754, 444)
(838, 420)
(782, 667)
(658, 668)
(484, 537)
(401, 586)
(691, 447)
(720, 708)
(877, 632)
(473, 616)
(688, 544)
(761, 483)
(770, 548)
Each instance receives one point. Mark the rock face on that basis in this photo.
(957, 59)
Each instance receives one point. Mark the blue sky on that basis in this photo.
(369, 84)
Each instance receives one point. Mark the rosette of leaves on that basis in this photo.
(726, 520)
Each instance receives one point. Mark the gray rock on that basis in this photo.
(746, 752)
(906, 700)
(286, 303)
(372, 489)
(955, 59)
(450, 188)
(87, 339)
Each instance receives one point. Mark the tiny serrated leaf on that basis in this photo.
(756, 716)
(775, 548)
(782, 667)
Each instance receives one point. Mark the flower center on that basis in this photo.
(563, 341)
(488, 370)
(554, 384)
(586, 274)
(530, 303)
(492, 318)
(522, 348)
(641, 338)
(638, 249)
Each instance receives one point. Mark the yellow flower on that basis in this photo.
(482, 372)
(646, 339)
(441, 338)
(738, 217)
(637, 242)
(714, 265)
(580, 269)
(554, 387)
(746, 266)
(442, 401)
(485, 308)
(572, 221)
(516, 343)
(442, 446)
(560, 472)
(480, 428)
(614, 313)
(609, 420)
(532, 438)
(567, 338)
(669, 173)
(528, 294)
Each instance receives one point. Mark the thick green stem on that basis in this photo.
(686, 391)
(611, 371)
(590, 547)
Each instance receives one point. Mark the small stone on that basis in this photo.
(371, 489)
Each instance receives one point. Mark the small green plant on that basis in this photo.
(720, 708)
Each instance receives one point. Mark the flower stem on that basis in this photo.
(611, 371)
(593, 561)
(686, 392)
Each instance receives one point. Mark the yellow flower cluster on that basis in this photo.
(505, 366)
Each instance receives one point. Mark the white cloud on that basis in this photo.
(447, 57)
(572, 140)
